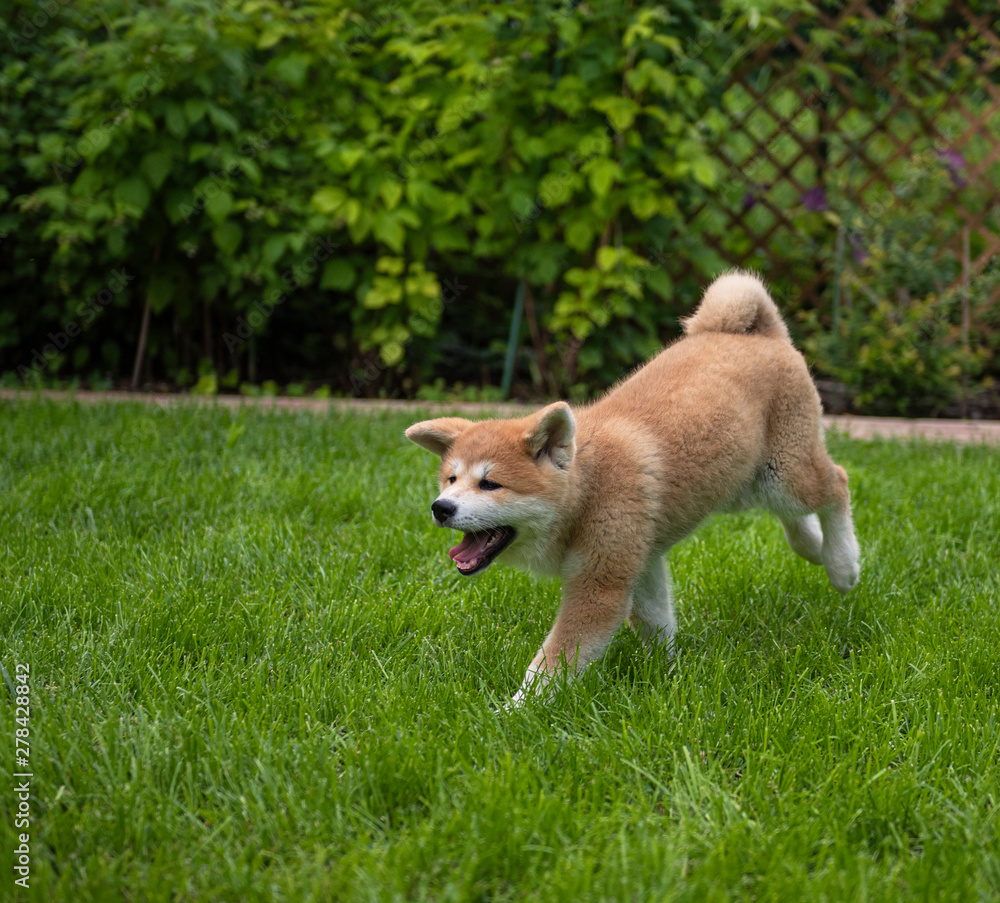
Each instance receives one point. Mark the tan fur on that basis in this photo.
(725, 419)
(737, 302)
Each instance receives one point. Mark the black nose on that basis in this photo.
(442, 509)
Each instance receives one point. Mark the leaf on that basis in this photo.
(603, 174)
(198, 150)
(328, 199)
(547, 261)
(389, 230)
(465, 157)
(621, 111)
(660, 283)
(142, 81)
(570, 95)
(176, 121)
(703, 172)
(422, 325)
(668, 205)
(219, 205)
(449, 238)
(422, 284)
(250, 169)
(337, 274)
(52, 145)
(637, 78)
(160, 292)
(53, 196)
(390, 266)
(97, 211)
(384, 291)
(694, 85)
(607, 258)
(156, 167)
(272, 250)
(223, 119)
(273, 32)
(195, 109)
(88, 183)
(645, 205)
(671, 43)
(586, 280)
(649, 73)
(391, 353)
(391, 192)
(350, 156)
(579, 235)
(408, 217)
(133, 192)
(206, 385)
(556, 188)
(352, 211)
(292, 69)
(638, 31)
(227, 237)
(569, 29)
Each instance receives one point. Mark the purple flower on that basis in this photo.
(815, 200)
(755, 189)
(954, 162)
(858, 249)
(952, 159)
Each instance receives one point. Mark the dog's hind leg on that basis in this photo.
(652, 615)
(805, 536)
(840, 546)
(820, 486)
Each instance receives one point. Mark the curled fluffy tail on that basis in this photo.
(737, 302)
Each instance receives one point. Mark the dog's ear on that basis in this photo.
(551, 432)
(437, 435)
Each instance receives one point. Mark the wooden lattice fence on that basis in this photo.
(824, 123)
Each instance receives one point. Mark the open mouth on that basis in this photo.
(477, 550)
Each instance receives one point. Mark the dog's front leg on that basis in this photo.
(591, 612)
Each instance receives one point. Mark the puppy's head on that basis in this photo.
(502, 481)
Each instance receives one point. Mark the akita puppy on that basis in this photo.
(726, 418)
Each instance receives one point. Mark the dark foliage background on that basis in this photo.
(222, 194)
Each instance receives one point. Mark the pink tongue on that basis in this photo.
(470, 548)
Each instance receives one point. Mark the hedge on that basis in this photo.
(339, 194)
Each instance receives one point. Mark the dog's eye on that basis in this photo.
(489, 485)
(451, 479)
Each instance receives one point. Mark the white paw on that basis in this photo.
(515, 702)
(844, 574)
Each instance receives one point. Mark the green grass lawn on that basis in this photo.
(256, 675)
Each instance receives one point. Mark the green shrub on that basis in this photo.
(350, 194)
(899, 345)
(285, 185)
